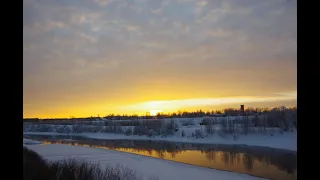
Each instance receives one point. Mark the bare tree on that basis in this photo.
(209, 126)
(182, 133)
(245, 124)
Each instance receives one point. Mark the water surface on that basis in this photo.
(263, 162)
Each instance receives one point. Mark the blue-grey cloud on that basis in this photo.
(69, 44)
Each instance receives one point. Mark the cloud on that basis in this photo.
(103, 2)
(56, 24)
(87, 18)
(73, 43)
(169, 105)
(132, 28)
(91, 39)
(185, 1)
(156, 11)
(219, 33)
(292, 94)
(201, 3)
(154, 45)
(137, 9)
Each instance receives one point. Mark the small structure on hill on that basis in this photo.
(242, 109)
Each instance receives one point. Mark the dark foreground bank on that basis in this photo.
(36, 168)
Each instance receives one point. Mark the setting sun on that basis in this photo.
(154, 112)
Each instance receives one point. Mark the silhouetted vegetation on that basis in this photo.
(198, 134)
(180, 114)
(183, 133)
(189, 122)
(34, 168)
(266, 121)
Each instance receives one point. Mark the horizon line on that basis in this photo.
(164, 113)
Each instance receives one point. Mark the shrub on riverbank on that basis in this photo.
(35, 168)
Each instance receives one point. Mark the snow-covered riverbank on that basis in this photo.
(286, 141)
(146, 166)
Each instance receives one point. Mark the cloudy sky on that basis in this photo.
(89, 57)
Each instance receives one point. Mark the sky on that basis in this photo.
(95, 57)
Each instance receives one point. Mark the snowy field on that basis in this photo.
(286, 141)
(29, 141)
(145, 166)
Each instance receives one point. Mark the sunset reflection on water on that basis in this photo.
(272, 166)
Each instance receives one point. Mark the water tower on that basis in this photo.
(242, 109)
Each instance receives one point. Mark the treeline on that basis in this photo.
(145, 127)
(180, 114)
(268, 122)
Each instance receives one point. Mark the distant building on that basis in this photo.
(242, 109)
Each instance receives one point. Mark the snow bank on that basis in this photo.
(146, 166)
(29, 141)
(286, 141)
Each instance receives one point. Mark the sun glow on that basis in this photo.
(154, 107)
(154, 112)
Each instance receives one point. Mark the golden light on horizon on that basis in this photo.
(169, 106)
(155, 112)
